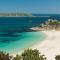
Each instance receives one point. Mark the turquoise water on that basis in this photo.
(24, 40)
(13, 32)
(14, 35)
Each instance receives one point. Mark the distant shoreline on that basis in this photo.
(24, 16)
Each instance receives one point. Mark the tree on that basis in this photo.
(57, 57)
(30, 54)
(4, 56)
(17, 57)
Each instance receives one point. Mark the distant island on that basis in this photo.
(14, 14)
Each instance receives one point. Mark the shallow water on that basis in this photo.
(13, 34)
(25, 40)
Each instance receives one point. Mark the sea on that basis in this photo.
(15, 34)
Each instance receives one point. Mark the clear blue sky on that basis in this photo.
(30, 6)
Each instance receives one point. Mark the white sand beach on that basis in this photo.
(50, 47)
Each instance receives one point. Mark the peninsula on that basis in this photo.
(48, 25)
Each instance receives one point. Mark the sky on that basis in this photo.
(31, 6)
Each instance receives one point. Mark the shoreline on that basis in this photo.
(50, 46)
(30, 46)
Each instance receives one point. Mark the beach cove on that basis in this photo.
(50, 47)
(49, 44)
(18, 35)
(23, 41)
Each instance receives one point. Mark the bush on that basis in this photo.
(4, 56)
(17, 57)
(57, 57)
(30, 54)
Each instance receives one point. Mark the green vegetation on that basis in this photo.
(57, 57)
(17, 57)
(15, 14)
(28, 54)
(4, 56)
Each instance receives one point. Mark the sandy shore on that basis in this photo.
(50, 47)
